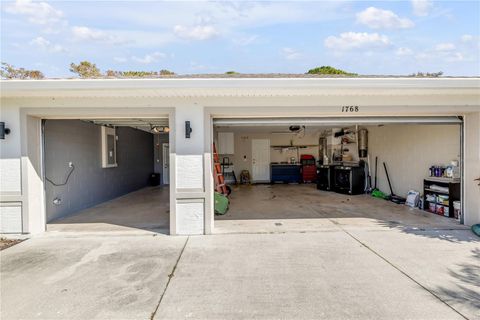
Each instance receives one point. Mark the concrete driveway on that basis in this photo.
(342, 271)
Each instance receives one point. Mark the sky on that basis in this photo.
(188, 37)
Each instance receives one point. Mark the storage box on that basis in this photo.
(440, 210)
(457, 207)
(446, 211)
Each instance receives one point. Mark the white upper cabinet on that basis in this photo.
(225, 143)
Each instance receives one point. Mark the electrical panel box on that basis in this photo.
(109, 147)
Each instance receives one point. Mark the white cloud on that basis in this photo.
(378, 18)
(422, 8)
(37, 12)
(195, 33)
(423, 56)
(244, 40)
(149, 58)
(402, 51)
(40, 13)
(120, 59)
(466, 38)
(444, 52)
(291, 54)
(87, 34)
(357, 40)
(455, 57)
(46, 45)
(445, 47)
(196, 67)
(230, 15)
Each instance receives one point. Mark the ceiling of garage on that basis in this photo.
(144, 124)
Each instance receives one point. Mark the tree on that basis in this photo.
(138, 74)
(231, 72)
(165, 72)
(10, 72)
(427, 74)
(85, 69)
(329, 70)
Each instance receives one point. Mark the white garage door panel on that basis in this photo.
(11, 218)
(341, 121)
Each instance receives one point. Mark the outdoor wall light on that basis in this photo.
(188, 129)
(160, 129)
(3, 130)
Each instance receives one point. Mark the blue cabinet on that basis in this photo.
(286, 173)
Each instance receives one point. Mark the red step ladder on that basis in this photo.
(220, 185)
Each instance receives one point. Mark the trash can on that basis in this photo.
(154, 179)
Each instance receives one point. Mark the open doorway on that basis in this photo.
(324, 172)
(106, 174)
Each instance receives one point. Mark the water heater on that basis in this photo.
(362, 143)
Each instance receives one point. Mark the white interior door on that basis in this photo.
(166, 163)
(261, 160)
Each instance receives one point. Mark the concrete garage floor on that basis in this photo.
(287, 208)
(146, 209)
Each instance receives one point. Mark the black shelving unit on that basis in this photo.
(453, 193)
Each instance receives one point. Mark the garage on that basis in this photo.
(412, 125)
(302, 174)
(106, 174)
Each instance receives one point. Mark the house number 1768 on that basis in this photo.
(350, 109)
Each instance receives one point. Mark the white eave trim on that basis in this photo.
(234, 87)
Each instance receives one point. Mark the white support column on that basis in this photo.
(190, 197)
(13, 213)
(471, 207)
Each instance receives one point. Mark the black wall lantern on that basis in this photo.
(188, 129)
(3, 130)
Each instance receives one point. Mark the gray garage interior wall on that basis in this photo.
(90, 184)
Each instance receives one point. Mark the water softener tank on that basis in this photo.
(362, 143)
(322, 150)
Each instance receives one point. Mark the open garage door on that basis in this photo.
(299, 173)
(335, 121)
(105, 174)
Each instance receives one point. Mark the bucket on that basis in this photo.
(457, 209)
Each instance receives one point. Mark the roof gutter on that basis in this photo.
(343, 83)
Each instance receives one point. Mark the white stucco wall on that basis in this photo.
(11, 187)
(200, 100)
(409, 150)
(472, 169)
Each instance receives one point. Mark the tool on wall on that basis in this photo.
(375, 192)
(394, 198)
(218, 177)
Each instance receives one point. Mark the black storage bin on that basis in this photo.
(349, 180)
(154, 179)
(325, 176)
